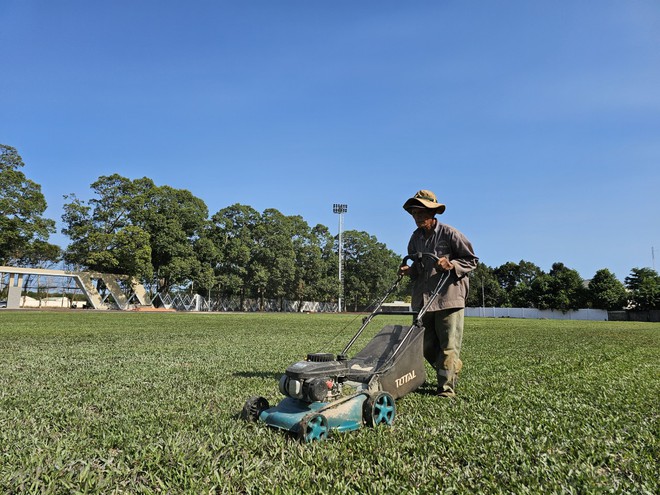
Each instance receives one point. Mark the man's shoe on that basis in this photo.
(446, 392)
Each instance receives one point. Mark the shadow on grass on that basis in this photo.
(431, 389)
(426, 389)
(268, 375)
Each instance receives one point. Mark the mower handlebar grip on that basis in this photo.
(417, 257)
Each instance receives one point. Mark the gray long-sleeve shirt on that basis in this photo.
(444, 241)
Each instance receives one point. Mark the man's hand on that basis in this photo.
(404, 270)
(445, 264)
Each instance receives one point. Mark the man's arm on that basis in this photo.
(463, 260)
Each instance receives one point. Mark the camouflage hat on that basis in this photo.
(424, 199)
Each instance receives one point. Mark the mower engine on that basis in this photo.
(317, 379)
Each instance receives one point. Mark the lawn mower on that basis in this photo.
(327, 392)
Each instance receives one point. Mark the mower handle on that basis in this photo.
(366, 320)
(417, 316)
(415, 257)
(442, 281)
(418, 257)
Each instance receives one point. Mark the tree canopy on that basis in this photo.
(562, 289)
(525, 285)
(164, 237)
(136, 228)
(369, 269)
(271, 255)
(24, 231)
(485, 288)
(644, 286)
(606, 291)
(103, 235)
(175, 221)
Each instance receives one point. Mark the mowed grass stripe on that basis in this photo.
(97, 402)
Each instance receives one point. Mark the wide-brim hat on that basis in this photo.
(424, 199)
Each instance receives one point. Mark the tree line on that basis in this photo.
(525, 285)
(166, 238)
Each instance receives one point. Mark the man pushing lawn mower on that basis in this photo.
(328, 392)
(443, 322)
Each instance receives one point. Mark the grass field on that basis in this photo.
(95, 402)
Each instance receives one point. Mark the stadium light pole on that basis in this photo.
(340, 209)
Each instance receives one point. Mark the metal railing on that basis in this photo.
(196, 302)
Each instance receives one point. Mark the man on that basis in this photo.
(444, 319)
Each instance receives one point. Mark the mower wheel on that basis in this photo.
(379, 409)
(253, 408)
(313, 427)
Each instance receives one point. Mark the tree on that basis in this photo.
(516, 279)
(271, 255)
(521, 296)
(103, 236)
(208, 255)
(136, 228)
(508, 275)
(24, 231)
(274, 256)
(175, 220)
(540, 292)
(562, 289)
(233, 232)
(528, 271)
(314, 278)
(321, 279)
(485, 289)
(370, 268)
(605, 291)
(644, 286)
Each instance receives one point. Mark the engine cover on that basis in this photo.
(303, 370)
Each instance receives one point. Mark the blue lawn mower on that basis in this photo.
(334, 393)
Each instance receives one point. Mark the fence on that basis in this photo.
(633, 315)
(550, 314)
(196, 302)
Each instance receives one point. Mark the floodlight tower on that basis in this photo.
(340, 209)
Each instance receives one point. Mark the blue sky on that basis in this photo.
(537, 123)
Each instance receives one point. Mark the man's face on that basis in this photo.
(423, 218)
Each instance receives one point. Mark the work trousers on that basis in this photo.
(443, 336)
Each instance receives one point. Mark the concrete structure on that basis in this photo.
(395, 306)
(46, 302)
(85, 283)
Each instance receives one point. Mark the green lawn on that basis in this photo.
(94, 402)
